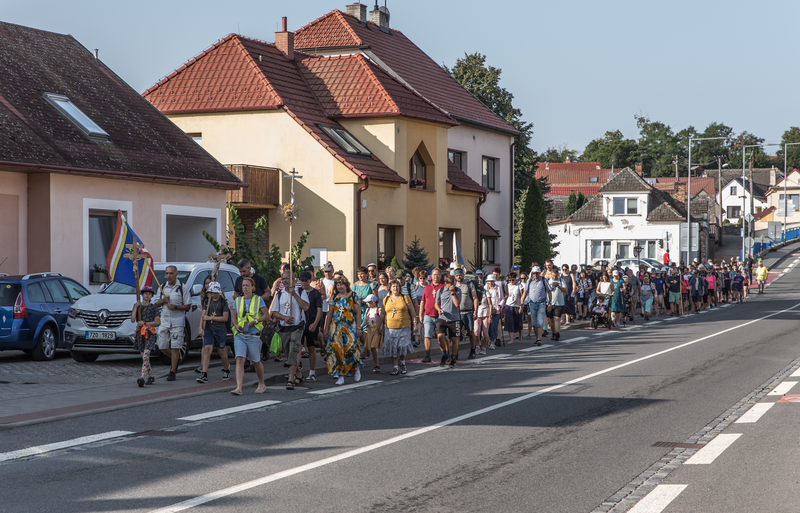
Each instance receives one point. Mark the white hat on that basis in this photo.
(614, 273)
(214, 287)
(491, 278)
(535, 269)
(371, 297)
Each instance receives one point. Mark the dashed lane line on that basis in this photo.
(658, 499)
(344, 387)
(545, 346)
(753, 414)
(713, 449)
(41, 449)
(227, 411)
(783, 388)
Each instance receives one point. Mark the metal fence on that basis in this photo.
(759, 248)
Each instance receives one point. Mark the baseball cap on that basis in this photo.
(372, 297)
(372, 265)
(305, 276)
(614, 273)
(536, 269)
(515, 267)
(309, 268)
(328, 267)
(478, 271)
(214, 287)
(148, 288)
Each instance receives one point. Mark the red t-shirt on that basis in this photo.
(429, 300)
(666, 258)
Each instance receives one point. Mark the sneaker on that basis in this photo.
(199, 369)
(452, 362)
(358, 375)
(427, 359)
(226, 375)
(403, 369)
(340, 381)
(491, 348)
(544, 333)
(150, 380)
(471, 354)
(203, 378)
(444, 360)
(171, 376)
(140, 382)
(311, 377)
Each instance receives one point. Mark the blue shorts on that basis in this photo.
(214, 338)
(429, 326)
(247, 346)
(538, 311)
(467, 322)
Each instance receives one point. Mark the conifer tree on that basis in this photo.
(534, 240)
(572, 204)
(416, 256)
(581, 200)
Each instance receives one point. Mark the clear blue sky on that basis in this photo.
(576, 68)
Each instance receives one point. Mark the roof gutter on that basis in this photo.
(124, 174)
(358, 221)
(513, 198)
(478, 231)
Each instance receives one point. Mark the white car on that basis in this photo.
(634, 263)
(101, 323)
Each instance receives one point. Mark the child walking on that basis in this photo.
(147, 320)
(374, 332)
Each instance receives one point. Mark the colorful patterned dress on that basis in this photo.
(344, 355)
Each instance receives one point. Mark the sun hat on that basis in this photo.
(371, 298)
(214, 287)
(491, 278)
(328, 267)
(535, 269)
(614, 273)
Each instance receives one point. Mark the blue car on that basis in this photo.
(33, 312)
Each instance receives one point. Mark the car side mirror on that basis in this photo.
(105, 286)
(197, 289)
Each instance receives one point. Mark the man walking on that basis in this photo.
(175, 300)
(428, 314)
(246, 271)
(761, 276)
(468, 310)
(539, 291)
(289, 306)
(314, 317)
(448, 301)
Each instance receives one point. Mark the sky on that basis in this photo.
(576, 68)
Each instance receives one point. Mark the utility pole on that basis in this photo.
(751, 224)
(676, 167)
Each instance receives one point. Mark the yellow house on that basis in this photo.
(371, 153)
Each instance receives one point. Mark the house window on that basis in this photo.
(488, 177)
(733, 190)
(593, 179)
(457, 157)
(345, 140)
(624, 206)
(488, 249)
(76, 116)
(792, 204)
(417, 172)
(651, 249)
(601, 249)
(446, 246)
(386, 245)
(734, 212)
(198, 138)
(623, 251)
(102, 227)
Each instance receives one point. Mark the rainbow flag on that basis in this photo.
(120, 265)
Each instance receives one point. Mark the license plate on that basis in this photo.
(100, 335)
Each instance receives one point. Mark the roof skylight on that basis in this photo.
(76, 116)
(345, 140)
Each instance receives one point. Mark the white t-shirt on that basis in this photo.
(328, 284)
(514, 296)
(281, 305)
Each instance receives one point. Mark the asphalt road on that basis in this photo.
(562, 429)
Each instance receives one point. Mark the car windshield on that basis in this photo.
(121, 288)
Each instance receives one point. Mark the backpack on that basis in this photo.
(299, 291)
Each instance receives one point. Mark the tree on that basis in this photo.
(483, 82)
(581, 200)
(614, 149)
(706, 152)
(533, 238)
(559, 154)
(572, 204)
(793, 152)
(657, 148)
(416, 256)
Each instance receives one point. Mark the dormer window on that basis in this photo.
(623, 206)
(345, 140)
(593, 179)
(76, 116)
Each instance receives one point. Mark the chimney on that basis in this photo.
(638, 168)
(566, 161)
(380, 17)
(679, 193)
(284, 40)
(773, 176)
(96, 56)
(359, 11)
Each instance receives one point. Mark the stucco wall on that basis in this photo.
(14, 239)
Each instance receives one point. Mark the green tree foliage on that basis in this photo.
(533, 239)
(483, 82)
(297, 252)
(394, 264)
(705, 152)
(657, 148)
(416, 256)
(559, 154)
(572, 204)
(612, 148)
(581, 200)
(793, 152)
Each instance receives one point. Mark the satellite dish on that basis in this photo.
(385, 10)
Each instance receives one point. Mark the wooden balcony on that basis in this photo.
(263, 190)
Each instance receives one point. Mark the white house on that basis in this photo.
(735, 196)
(775, 199)
(626, 211)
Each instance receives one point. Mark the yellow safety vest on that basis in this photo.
(252, 315)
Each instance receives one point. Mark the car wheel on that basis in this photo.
(45, 348)
(83, 357)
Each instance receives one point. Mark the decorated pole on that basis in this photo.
(134, 255)
(290, 214)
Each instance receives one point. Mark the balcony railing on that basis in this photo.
(263, 189)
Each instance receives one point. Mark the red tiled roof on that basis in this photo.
(461, 181)
(666, 183)
(209, 83)
(572, 174)
(565, 190)
(764, 212)
(353, 86)
(486, 230)
(404, 59)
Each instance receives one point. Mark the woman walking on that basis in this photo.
(483, 320)
(513, 318)
(617, 300)
(398, 314)
(584, 293)
(373, 339)
(494, 294)
(147, 319)
(342, 329)
(249, 315)
(647, 294)
(556, 306)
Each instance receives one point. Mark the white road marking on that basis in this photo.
(632, 327)
(795, 374)
(225, 492)
(545, 346)
(672, 318)
(658, 499)
(753, 414)
(713, 449)
(653, 322)
(344, 387)
(783, 388)
(41, 449)
(493, 357)
(226, 411)
(726, 305)
(576, 339)
(601, 333)
(425, 371)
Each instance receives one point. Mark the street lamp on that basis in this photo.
(785, 210)
(744, 196)
(637, 250)
(689, 197)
